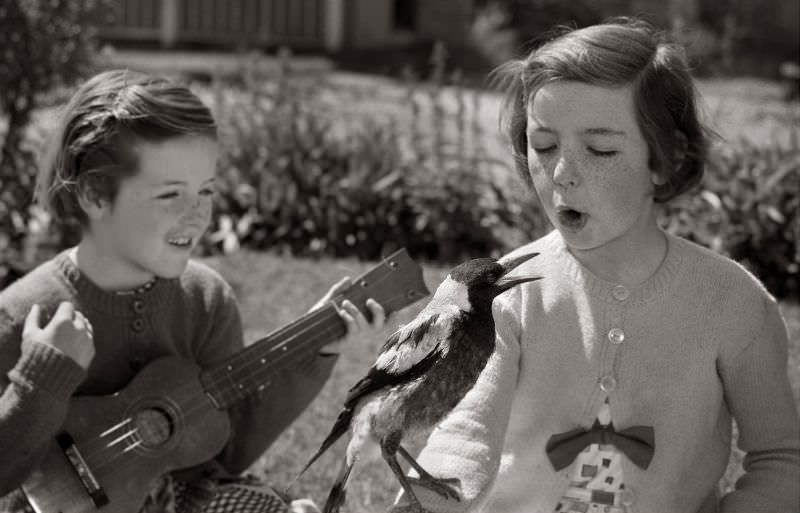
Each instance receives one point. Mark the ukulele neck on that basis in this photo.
(394, 283)
(253, 368)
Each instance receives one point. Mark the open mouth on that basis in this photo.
(180, 242)
(571, 219)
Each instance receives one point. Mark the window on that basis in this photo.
(404, 14)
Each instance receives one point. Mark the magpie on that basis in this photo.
(421, 373)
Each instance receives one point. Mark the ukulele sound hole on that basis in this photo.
(154, 426)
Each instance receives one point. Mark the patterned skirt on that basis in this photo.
(244, 494)
(235, 495)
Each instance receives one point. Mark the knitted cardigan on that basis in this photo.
(699, 343)
(194, 316)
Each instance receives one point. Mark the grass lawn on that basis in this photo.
(275, 290)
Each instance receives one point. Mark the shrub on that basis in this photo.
(46, 44)
(748, 208)
(307, 177)
(304, 176)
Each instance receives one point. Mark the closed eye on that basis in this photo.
(167, 195)
(601, 153)
(207, 192)
(545, 149)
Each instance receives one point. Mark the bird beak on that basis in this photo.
(506, 282)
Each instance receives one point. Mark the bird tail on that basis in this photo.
(339, 428)
(337, 495)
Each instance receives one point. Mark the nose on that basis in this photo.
(565, 173)
(197, 210)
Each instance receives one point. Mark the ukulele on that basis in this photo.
(172, 414)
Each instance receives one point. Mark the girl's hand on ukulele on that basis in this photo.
(68, 331)
(356, 321)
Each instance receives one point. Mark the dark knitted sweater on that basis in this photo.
(195, 317)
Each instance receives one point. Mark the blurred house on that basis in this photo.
(328, 25)
(346, 25)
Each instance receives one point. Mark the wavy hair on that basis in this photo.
(92, 148)
(616, 53)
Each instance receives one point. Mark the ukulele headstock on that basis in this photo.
(395, 283)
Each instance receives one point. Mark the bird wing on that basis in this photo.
(413, 342)
(406, 355)
(378, 378)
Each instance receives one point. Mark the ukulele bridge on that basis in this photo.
(84, 473)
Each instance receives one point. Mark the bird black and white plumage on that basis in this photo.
(421, 373)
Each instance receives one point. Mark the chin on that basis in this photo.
(173, 271)
(579, 241)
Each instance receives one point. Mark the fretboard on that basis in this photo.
(254, 367)
(394, 283)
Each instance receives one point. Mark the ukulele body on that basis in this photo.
(112, 448)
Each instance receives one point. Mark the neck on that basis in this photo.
(629, 260)
(103, 271)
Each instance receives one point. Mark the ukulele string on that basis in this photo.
(253, 367)
(253, 370)
(324, 318)
(322, 315)
(121, 457)
(122, 464)
(101, 448)
(128, 450)
(192, 404)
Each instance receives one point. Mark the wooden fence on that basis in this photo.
(295, 23)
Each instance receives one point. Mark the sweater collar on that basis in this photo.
(611, 292)
(111, 302)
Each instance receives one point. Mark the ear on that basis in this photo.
(92, 204)
(679, 155)
(657, 178)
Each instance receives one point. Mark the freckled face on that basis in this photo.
(160, 212)
(588, 161)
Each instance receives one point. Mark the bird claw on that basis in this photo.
(444, 486)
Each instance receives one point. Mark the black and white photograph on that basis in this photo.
(399, 256)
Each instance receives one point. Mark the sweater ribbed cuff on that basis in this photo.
(46, 368)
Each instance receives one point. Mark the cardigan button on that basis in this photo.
(137, 324)
(608, 384)
(616, 335)
(620, 293)
(138, 306)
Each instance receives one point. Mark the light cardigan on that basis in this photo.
(703, 341)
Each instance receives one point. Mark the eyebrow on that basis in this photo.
(588, 131)
(603, 131)
(182, 182)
